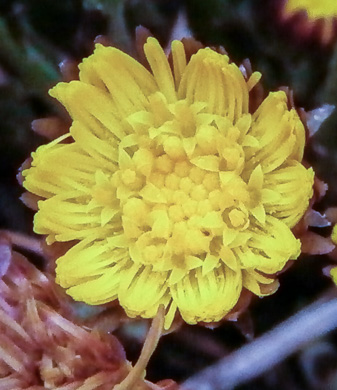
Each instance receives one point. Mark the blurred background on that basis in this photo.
(37, 35)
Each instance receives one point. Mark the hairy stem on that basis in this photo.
(149, 347)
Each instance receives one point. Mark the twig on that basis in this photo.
(262, 354)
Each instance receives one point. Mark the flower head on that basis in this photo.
(173, 192)
(321, 13)
(333, 270)
(314, 9)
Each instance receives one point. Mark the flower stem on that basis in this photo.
(149, 347)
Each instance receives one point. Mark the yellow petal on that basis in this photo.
(160, 69)
(126, 80)
(207, 298)
(255, 282)
(269, 253)
(119, 241)
(60, 169)
(209, 163)
(86, 270)
(285, 142)
(294, 184)
(97, 113)
(152, 194)
(179, 60)
(256, 178)
(100, 290)
(176, 276)
(229, 259)
(161, 226)
(105, 153)
(142, 294)
(259, 213)
(210, 78)
(209, 263)
(333, 274)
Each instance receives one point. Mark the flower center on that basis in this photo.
(182, 209)
(181, 192)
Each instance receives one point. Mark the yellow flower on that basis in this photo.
(319, 18)
(333, 271)
(173, 192)
(333, 274)
(315, 9)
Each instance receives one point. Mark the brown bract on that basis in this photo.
(313, 243)
(41, 347)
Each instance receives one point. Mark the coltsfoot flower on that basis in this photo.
(172, 191)
(321, 14)
(333, 270)
(314, 9)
